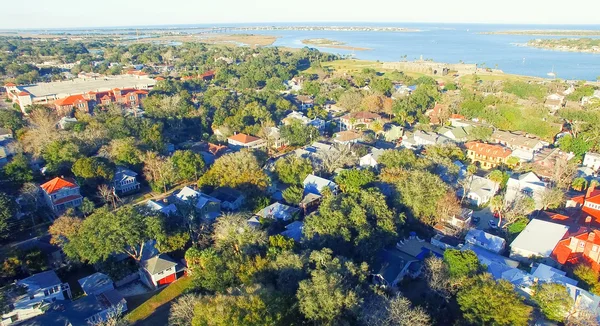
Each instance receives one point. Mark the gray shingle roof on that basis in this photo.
(158, 263)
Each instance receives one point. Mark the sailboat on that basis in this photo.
(552, 73)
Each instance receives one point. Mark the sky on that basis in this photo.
(106, 13)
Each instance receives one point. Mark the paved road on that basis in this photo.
(485, 215)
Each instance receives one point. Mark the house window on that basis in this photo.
(595, 248)
(46, 293)
(581, 244)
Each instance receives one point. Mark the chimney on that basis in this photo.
(588, 220)
(590, 190)
(592, 236)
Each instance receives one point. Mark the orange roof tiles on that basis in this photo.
(70, 100)
(243, 138)
(57, 184)
(10, 85)
(488, 149)
(24, 93)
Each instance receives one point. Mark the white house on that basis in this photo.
(527, 184)
(125, 181)
(96, 283)
(371, 160)
(160, 270)
(239, 141)
(33, 295)
(208, 206)
(278, 211)
(485, 240)
(479, 190)
(161, 206)
(61, 193)
(592, 160)
(537, 240)
(315, 185)
(231, 199)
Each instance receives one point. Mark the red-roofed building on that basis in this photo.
(487, 155)
(61, 193)
(579, 248)
(209, 75)
(239, 141)
(435, 114)
(129, 98)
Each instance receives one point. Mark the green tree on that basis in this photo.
(60, 155)
(233, 234)
(588, 276)
(480, 133)
(487, 302)
(554, 300)
(104, 233)
(237, 170)
(87, 207)
(293, 195)
(124, 152)
(297, 134)
(357, 224)
(292, 170)
(11, 119)
(8, 209)
(496, 177)
(354, 180)
(462, 263)
(330, 294)
(579, 184)
(94, 168)
(209, 269)
(188, 165)
(17, 170)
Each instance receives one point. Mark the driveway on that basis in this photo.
(485, 215)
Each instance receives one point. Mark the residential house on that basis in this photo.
(591, 160)
(595, 97)
(5, 134)
(420, 138)
(545, 161)
(161, 206)
(310, 202)
(315, 185)
(455, 224)
(392, 132)
(208, 206)
(371, 160)
(485, 240)
(537, 240)
(125, 181)
(527, 184)
(580, 247)
(456, 134)
(437, 113)
(305, 102)
(487, 156)
(89, 310)
(445, 242)
(359, 120)
(554, 102)
(239, 141)
(295, 116)
(61, 193)
(160, 270)
(479, 190)
(523, 147)
(347, 137)
(278, 211)
(231, 199)
(406, 259)
(32, 296)
(96, 283)
(294, 231)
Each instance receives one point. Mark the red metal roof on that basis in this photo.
(24, 93)
(243, 138)
(488, 150)
(70, 100)
(10, 84)
(57, 184)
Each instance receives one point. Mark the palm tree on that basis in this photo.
(496, 177)
(497, 205)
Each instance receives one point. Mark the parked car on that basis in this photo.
(493, 224)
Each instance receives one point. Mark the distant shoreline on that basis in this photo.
(327, 43)
(581, 45)
(547, 32)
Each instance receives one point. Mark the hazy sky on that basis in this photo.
(85, 13)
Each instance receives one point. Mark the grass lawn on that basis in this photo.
(166, 295)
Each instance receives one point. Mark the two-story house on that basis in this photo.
(522, 146)
(239, 141)
(208, 206)
(578, 248)
(488, 156)
(528, 184)
(125, 181)
(31, 296)
(61, 193)
(592, 161)
(359, 120)
(160, 270)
